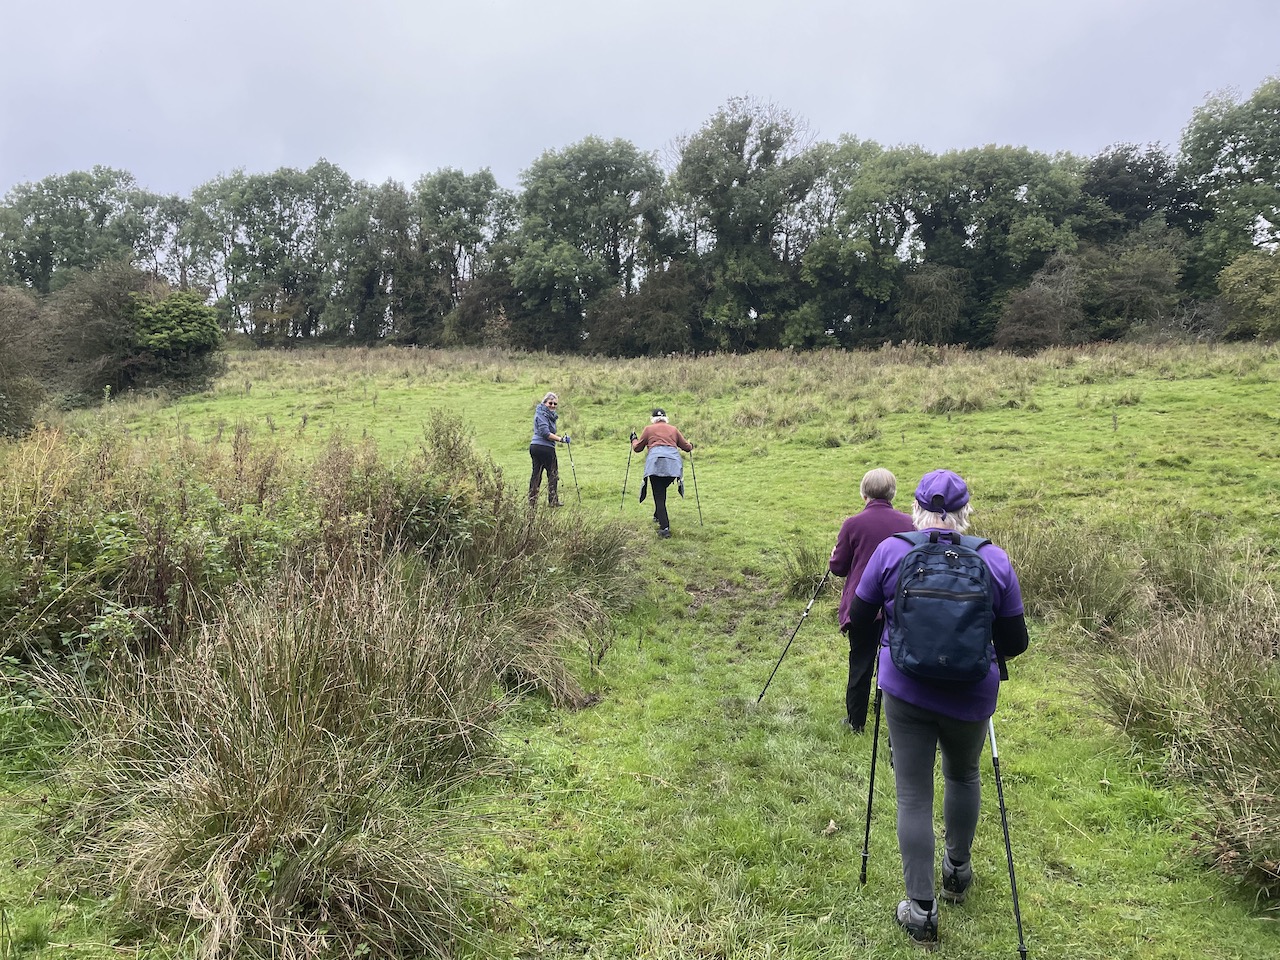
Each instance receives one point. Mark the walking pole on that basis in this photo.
(699, 500)
(630, 450)
(576, 488)
(1008, 848)
(821, 583)
(875, 741)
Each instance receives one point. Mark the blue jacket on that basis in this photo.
(663, 462)
(544, 424)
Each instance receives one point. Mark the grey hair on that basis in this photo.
(957, 520)
(878, 484)
(549, 395)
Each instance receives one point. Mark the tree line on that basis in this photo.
(753, 236)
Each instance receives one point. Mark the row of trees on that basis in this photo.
(753, 236)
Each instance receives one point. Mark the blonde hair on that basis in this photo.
(878, 484)
(549, 395)
(957, 520)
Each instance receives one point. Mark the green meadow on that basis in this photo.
(675, 813)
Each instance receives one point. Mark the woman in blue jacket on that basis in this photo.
(542, 450)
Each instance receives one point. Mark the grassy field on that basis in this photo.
(678, 818)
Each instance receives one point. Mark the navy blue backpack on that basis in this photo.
(942, 610)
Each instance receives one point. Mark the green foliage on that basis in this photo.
(1251, 285)
(775, 240)
(285, 785)
(179, 324)
(64, 224)
(1230, 154)
(280, 675)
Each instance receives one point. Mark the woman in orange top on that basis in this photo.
(663, 466)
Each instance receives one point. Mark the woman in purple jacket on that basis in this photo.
(858, 538)
(925, 716)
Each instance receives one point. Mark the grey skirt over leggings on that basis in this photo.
(916, 736)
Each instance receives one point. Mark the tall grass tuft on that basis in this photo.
(804, 564)
(280, 673)
(1083, 578)
(1181, 632)
(288, 784)
(1198, 685)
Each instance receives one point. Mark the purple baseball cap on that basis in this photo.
(941, 491)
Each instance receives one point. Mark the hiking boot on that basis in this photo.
(847, 726)
(956, 880)
(921, 927)
(664, 533)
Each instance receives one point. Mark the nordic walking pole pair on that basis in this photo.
(627, 476)
(1004, 816)
(821, 583)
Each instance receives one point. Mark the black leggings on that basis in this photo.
(659, 486)
(544, 459)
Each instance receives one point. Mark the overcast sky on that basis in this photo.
(178, 93)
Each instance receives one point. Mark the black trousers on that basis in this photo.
(544, 459)
(659, 486)
(862, 668)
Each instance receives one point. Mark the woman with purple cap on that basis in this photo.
(927, 715)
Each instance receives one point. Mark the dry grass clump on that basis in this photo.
(1199, 687)
(1183, 643)
(280, 673)
(287, 783)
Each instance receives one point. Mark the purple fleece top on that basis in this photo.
(857, 539)
(971, 702)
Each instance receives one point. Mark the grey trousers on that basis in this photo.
(916, 735)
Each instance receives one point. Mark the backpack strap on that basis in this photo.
(917, 537)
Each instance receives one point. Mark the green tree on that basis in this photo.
(856, 264)
(20, 354)
(1123, 187)
(1230, 156)
(368, 246)
(997, 214)
(115, 329)
(658, 319)
(586, 213)
(1250, 285)
(931, 304)
(263, 243)
(75, 221)
(1048, 312)
(740, 187)
(1133, 280)
(456, 218)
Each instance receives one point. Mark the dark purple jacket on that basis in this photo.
(858, 538)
